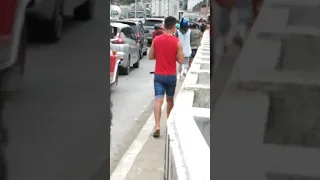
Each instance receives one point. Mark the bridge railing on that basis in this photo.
(266, 123)
(188, 128)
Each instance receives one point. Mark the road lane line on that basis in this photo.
(130, 156)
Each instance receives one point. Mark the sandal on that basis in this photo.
(156, 133)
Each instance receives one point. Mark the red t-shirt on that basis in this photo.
(165, 48)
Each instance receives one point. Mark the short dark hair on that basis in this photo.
(170, 22)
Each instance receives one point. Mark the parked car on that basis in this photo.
(149, 25)
(114, 67)
(47, 17)
(124, 40)
(138, 29)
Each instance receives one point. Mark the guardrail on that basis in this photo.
(188, 128)
(266, 123)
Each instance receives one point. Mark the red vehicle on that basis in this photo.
(13, 43)
(114, 70)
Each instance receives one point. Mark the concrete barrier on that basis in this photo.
(266, 123)
(188, 128)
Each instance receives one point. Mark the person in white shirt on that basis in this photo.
(184, 35)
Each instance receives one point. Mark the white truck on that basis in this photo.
(165, 8)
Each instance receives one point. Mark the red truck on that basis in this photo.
(13, 43)
(114, 68)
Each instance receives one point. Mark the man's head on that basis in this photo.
(170, 23)
(184, 24)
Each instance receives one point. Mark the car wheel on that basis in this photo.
(55, 26)
(145, 53)
(137, 64)
(85, 11)
(126, 70)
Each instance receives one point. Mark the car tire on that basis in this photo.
(137, 64)
(54, 28)
(126, 70)
(145, 53)
(85, 11)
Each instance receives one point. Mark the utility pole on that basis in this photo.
(135, 9)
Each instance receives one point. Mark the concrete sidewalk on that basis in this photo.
(144, 159)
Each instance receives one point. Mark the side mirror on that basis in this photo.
(146, 31)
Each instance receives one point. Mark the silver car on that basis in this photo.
(149, 24)
(124, 41)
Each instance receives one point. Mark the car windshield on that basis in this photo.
(139, 14)
(152, 22)
(134, 27)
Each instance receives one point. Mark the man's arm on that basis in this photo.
(152, 55)
(180, 55)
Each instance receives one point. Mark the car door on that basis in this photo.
(131, 42)
(142, 37)
(135, 45)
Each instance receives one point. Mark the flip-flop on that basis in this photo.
(156, 133)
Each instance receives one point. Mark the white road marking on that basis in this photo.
(129, 157)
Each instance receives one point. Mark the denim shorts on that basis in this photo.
(164, 84)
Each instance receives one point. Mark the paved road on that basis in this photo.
(59, 123)
(131, 108)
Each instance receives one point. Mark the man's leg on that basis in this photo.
(171, 82)
(185, 65)
(194, 51)
(159, 90)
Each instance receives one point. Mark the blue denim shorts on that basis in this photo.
(164, 84)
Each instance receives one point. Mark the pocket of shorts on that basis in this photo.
(173, 80)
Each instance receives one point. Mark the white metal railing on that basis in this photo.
(187, 152)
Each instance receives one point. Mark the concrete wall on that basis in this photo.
(266, 124)
(188, 127)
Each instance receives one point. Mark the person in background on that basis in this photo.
(166, 50)
(184, 35)
(157, 31)
(195, 41)
(177, 28)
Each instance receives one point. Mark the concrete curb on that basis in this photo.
(187, 152)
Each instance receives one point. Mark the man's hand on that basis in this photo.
(180, 55)
(152, 55)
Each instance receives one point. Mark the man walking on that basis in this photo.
(184, 35)
(196, 36)
(166, 50)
